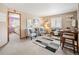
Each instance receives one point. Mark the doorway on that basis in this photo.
(14, 24)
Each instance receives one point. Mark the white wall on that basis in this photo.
(3, 29)
(2, 17)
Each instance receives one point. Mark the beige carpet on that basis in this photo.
(18, 46)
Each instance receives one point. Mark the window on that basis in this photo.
(56, 22)
(33, 23)
(29, 23)
(36, 22)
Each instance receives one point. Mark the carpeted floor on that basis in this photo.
(25, 46)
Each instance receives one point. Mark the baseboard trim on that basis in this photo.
(23, 37)
(4, 44)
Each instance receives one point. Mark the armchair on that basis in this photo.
(31, 33)
(41, 31)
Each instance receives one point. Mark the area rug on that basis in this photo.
(50, 45)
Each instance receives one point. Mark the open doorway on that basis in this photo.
(14, 24)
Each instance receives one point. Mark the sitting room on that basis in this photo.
(39, 29)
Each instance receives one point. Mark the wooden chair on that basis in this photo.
(68, 35)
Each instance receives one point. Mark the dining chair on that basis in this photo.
(69, 38)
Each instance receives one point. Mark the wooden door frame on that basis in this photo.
(8, 22)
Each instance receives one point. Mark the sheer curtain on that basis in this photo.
(56, 22)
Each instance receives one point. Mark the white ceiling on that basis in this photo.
(43, 9)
